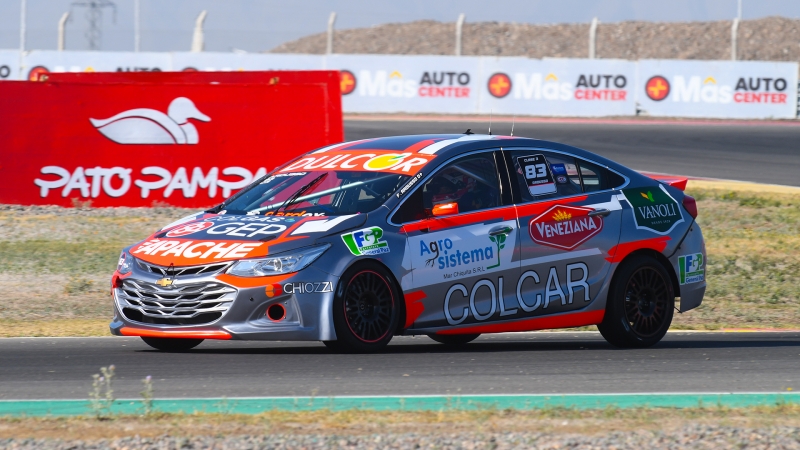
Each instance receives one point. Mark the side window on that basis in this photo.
(596, 178)
(541, 175)
(471, 182)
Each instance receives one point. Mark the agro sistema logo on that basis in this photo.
(691, 268)
(366, 242)
(654, 209)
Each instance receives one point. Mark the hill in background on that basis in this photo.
(771, 38)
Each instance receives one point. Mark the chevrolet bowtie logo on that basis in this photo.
(164, 282)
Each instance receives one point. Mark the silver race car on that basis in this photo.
(448, 236)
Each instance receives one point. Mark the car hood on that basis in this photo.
(210, 238)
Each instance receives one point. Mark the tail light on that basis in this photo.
(690, 205)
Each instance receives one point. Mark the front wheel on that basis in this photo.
(172, 344)
(366, 309)
(640, 304)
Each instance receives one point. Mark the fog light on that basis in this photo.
(276, 312)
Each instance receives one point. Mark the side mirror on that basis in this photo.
(445, 209)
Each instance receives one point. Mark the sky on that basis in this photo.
(258, 25)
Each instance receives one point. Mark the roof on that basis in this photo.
(445, 145)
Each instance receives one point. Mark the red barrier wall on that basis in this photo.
(139, 139)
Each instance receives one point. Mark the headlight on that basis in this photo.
(125, 264)
(279, 264)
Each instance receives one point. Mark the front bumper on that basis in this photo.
(213, 305)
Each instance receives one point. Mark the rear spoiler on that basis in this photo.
(672, 180)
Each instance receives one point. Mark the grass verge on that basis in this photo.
(554, 420)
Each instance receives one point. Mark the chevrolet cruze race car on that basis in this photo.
(448, 236)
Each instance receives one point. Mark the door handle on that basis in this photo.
(503, 230)
(599, 212)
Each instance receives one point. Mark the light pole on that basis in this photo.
(136, 30)
(23, 7)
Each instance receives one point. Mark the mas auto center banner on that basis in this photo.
(9, 65)
(189, 141)
(558, 87)
(470, 85)
(721, 89)
(415, 84)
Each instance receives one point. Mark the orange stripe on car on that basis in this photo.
(618, 252)
(568, 320)
(182, 334)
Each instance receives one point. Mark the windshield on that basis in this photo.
(315, 193)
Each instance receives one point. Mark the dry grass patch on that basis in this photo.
(553, 420)
(753, 245)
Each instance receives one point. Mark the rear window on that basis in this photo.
(540, 175)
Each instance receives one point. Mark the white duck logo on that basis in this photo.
(148, 126)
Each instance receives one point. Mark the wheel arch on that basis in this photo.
(401, 301)
(661, 259)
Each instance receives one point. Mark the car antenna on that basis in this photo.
(469, 131)
(490, 122)
(513, 119)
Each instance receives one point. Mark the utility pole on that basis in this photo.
(734, 33)
(62, 26)
(459, 26)
(22, 7)
(94, 15)
(739, 10)
(593, 39)
(198, 40)
(331, 22)
(136, 29)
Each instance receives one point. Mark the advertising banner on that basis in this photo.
(188, 144)
(412, 84)
(434, 84)
(718, 89)
(227, 62)
(557, 87)
(40, 62)
(9, 64)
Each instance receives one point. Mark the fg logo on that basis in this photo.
(366, 242)
(691, 268)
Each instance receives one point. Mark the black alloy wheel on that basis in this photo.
(646, 301)
(174, 345)
(365, 309)
(454, 339)
(640, 304)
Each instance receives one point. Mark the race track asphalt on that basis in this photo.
(531, 363)
(763, 154)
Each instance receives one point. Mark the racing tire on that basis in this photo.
(640, 304)
(366, 309)
(454, 339)
(172, 344)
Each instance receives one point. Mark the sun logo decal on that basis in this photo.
(561, 215)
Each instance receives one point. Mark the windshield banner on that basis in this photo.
(405, 163)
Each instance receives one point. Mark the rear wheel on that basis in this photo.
(172, 345)
(365, 309)
(640, 304)
(453, 339)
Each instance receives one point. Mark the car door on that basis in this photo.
(462, 264)
(570, 218)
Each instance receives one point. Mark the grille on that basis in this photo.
(207, 269)
(183, 304)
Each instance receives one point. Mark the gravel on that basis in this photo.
(696, 436)
(771, 38)
(168, 213)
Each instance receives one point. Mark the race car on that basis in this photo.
(449, 236)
